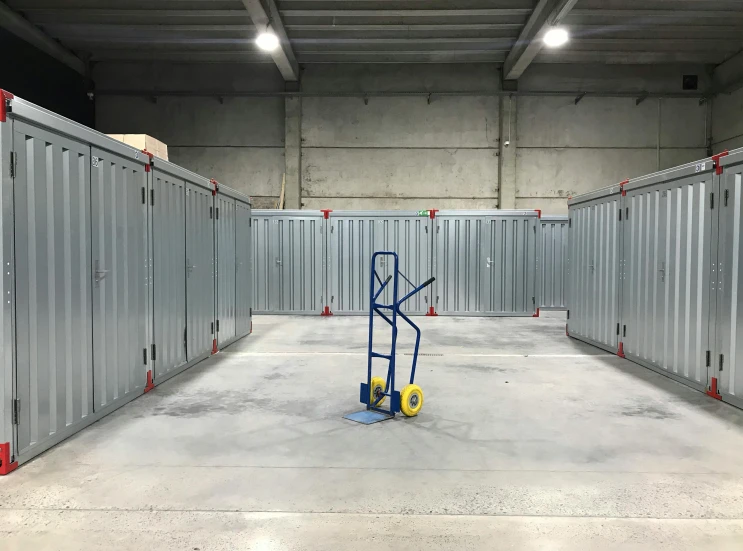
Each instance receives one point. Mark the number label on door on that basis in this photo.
(95, 162)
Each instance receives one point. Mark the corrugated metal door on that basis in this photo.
(594, 271)
(54, 333)
(552, 252)
(199, 270)
(667, 230)
(119, 277)
(727, 363)
(243, 290)
(355, 236)
(226, 281)
(485, 263)
(289, 259)
(169, 267)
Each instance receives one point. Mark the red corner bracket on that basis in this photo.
(6, 467)
(326, 213)
(431, 312)
(620, 352)
(567, 333)
(5, 99)
(537, 314)
(621, 187)
(150, 384)
(539, 213)
(716, 160)
(432, 213)
(214, 347)
(149, 163)
(214, 192)
(326, 312)
(713, 390)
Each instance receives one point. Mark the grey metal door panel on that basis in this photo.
(54, 361)
(243, 274)
(727, 360)
(485, 263)
(289, 257)
(552, 244)
(666, 298)
(594, 270)
(169, 267)
(226, 271)
(461, 264)
(355, 236)
(119, 220)
(200, 282)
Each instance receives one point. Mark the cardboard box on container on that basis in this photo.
(143, 141)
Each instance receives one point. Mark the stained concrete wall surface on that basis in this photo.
(411, 152)
(727, 121)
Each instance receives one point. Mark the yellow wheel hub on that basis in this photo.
(411, 400)
(377, 390)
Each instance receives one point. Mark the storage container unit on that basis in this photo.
(485, 263)
(356, 235)
(594, 268)
(108, 275)
(552, 253)
(668, 248)
(75, 284)
(726, 364)
(183, 268)
(289, 255)
(232, 214)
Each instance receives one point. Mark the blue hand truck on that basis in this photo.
(376, 390)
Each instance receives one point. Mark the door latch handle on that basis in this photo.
(278, 262)
(662, 271)
(99, 274)
(489, 262)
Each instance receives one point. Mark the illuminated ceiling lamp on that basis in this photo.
(267, 40)
(556, 37)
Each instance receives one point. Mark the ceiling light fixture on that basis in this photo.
(267, 40)
(556, 37)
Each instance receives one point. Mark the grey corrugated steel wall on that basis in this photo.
(485, 263)
(594, 268)
(243, 268)
(120, 309)
(226, 250)
(200, 280)
(727, 361)
(53, 284)
(289, 257)
(7, 277)
(355, 236)
(552, 252)
(667, 252)
(169, 227)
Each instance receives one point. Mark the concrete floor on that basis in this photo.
(527, 440)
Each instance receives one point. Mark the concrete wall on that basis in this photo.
(566, 149)
(727, 121)
(236, 140)
(399, 152)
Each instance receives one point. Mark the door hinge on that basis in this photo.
(217, 213)
(152, 197)
(144, 196)
(711, 201)
(533, 300)
(144, 355)
(211, 213)
(617, 329)
(212, 328)
(722, 361)
(12, 164)
(709, 359)
(426, 228)
(620, 215)
(251, 312)
(568, 314)
(154, 353)
(570, 223)
(185, 338)
(626, 213)
(217, 326)
(250, 223)
(624, 330)
(727, 194)
(16, 412)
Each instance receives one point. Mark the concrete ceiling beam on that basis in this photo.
(546, 14)
(268, 16)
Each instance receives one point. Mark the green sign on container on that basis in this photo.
(423, 213)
